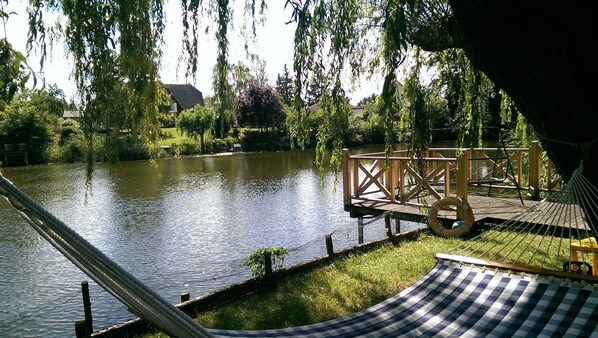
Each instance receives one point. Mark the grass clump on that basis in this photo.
(341, 288)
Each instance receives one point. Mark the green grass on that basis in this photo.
(172, 136)
(343, 287)
(530, 249)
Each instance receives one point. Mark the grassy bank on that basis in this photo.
(343, 287)
(172, 136)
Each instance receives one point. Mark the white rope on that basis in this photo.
(139, 298)
(544, 233)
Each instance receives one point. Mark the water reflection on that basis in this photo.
(184, 224)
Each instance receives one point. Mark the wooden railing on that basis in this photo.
(441, 172)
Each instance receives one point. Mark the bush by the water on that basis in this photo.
(131, 148)
(253, 140)
(219, 145)
(187, 147)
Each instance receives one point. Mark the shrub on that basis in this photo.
(188, 148)
(67, 128)
(264, 141)
(75, 147)
(256, 262)
(131, 148)
(23, 122)
(217, 145)
(167, 120)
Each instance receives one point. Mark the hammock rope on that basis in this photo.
(542, 236)
(142, 301)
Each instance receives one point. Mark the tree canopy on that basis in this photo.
(260, 106)
(536, 53)
(197, 122)
(284, 86)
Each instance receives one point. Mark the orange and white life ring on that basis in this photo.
(464, 213)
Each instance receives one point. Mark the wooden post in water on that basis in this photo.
(185, 296)
(534, 170)
(397, 226)
(87, 307)
(268, 263)
(80, 330)
(387, 224)
(360, 229)
(329, 247)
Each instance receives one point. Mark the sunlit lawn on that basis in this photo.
(343, 287)
(362, 280)
(173, 136)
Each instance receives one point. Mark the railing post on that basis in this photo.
(346, 178)
(80, 329)
(549, 175)
(185, 296)
(463, 174)
(402, 166)
(447, 179)
(388, 229)
(355, 176)
(390, 180)
(534, 170)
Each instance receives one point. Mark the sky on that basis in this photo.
(274, 45)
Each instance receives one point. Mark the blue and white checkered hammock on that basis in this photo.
(451, 300)
(461, 301)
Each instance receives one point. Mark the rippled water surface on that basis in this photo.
(186, 224)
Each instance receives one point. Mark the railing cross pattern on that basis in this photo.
(373, 179)
(423, 182)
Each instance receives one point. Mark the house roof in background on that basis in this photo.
(185, 95)
(315, 107)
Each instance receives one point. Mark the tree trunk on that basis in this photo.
(544, 54)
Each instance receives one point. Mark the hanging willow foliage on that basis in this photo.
(115, 45)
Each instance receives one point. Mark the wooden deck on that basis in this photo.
(485, 208)
(493, 209)
(405, 185)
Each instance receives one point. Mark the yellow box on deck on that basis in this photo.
(586, 245)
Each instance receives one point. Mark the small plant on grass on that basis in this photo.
(257, 261)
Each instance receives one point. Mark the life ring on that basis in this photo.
(464, 213)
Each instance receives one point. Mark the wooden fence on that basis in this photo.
(442, 172)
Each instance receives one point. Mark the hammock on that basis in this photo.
(450, 300)
(455, 301)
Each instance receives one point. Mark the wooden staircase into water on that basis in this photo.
(15, 154)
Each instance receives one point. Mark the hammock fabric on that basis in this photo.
(456, 301)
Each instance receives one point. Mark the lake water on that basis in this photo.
(185, 224)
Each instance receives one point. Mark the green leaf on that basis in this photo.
(11, 91)
(24, 80)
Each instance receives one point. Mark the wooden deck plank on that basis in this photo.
(486, 209)
(482, 206)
